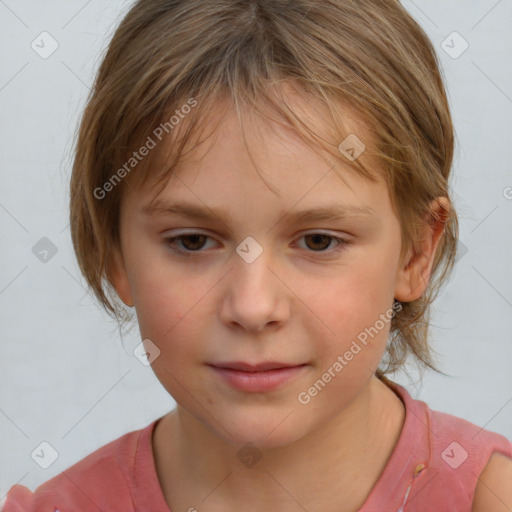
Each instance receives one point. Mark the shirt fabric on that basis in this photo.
(434, 468)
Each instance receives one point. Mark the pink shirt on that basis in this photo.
(434, 468)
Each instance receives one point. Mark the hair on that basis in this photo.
(174, 57)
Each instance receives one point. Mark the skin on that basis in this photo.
(493, 492)
(300, 301)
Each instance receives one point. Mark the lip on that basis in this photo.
(257, 378)
(258, 367)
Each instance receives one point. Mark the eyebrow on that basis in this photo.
(332, 212)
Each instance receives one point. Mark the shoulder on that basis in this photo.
(477, 459)
(90, 484)
(475, 464)
(493, 492)
(470, 442)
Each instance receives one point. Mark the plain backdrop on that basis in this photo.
(67, 376)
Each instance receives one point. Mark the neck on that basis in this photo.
(199, 469)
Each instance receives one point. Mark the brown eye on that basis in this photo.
(187, 244)
(193, 242)
(318, 241)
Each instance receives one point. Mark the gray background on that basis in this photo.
(67, 377)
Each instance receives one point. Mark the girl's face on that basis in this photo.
(303, 276)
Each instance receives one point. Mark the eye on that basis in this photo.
(192, 242)
(318, 242)
(189, 243)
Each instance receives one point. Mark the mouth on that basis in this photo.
(256, 367)
(257, 377)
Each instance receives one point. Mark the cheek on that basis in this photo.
(355, 298)
(354, 308)
(169, 303)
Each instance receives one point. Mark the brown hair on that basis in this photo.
(368, 55)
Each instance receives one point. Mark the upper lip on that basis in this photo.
(257, 367)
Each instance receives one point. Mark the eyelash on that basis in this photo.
(342, 243)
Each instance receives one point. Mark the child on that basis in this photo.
(261, 127)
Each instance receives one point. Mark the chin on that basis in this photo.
(265, 431)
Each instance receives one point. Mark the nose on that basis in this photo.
(254, 296)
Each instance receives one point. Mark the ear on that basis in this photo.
(118, 277)
(413, 275)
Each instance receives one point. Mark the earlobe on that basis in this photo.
(118, 277)
(414, 274)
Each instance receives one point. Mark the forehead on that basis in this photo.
(246, 153)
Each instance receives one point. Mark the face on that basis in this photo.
(254, 280)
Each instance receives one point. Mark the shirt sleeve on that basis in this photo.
(102, 480)
(19, 499)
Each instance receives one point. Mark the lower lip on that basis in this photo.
(259, 382)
